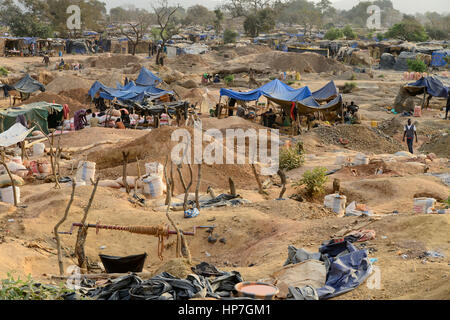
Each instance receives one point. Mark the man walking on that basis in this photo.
(409, 133)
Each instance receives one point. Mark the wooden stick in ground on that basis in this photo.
(260, 189)
(13, 184)
(169, 200)
(232, 187)
(124, 175)
(186, 187)
(197, 188)
(82, 232)
(211, 192)
(55, 230)
(283, 182)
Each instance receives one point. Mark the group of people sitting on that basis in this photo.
(208, 78)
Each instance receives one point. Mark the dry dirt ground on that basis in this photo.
(257, 234)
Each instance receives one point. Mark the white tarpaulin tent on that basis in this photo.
(13, 135)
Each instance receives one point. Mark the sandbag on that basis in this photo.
(14, 166)
(130, 181)
(5, 181)
(335, 202)
(7, 194)
(424, 205)
(38, 149)
(110, 184)
(310, 272)
(85, 171)
(154, 186)
(154, 169)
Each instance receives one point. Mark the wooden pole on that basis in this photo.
(283, 182)
(197, 188)
(232, 187)
(13, 184)
(260, 189)
(82, 232)
(124, 173)
(55, 230)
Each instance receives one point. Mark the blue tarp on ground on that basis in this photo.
(328, 92)
(437, 58)
(28, 85)
(147, 78)
(347, 271)
(432, 85)
(273, 89)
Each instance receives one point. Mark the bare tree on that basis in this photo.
(165, 18)
(135, 31)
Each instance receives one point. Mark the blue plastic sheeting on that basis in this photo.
(312, 103)
(329, 91)
(347, 270)
(28, 85)
(433, 86)
(437, 58)
(95, 88)
(273, 89)
(147, 78)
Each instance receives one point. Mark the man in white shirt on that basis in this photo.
(409, 133)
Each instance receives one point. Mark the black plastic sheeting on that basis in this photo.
(163, 286)
(113, 264)
(28, 85)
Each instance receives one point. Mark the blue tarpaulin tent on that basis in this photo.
(145, 86)
(327, 93)
(274, 89)
(147, 78)
(432, 85)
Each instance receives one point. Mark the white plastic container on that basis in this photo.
(335, 202)
(424, 205)
(85, 171)
(7, 194)
(38, 149)
(154, 186)
(17, 159)
(154, 169)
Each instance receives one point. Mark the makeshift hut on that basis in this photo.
(47, 115)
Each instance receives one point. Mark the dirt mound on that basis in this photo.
(80, 95)
(305, 62)
(360, 138)
(293, 209)
(188, 63)
(233, 122)
(178, 267)
(391, 126)
(202, 97)
(68, 82)
(251, 49)
(155, 146)
(115, 61)
(88, 136)
(50, 97)
(439, 145)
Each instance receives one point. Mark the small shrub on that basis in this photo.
(313, 180)
(229, 36)
(290, 82)
(381, 76)
(3, 71)
(292, 157)
(228, 79)
(272, 78)
(416, 65)
(349, 86)
(16, 289)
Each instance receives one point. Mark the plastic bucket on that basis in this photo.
(153, 186)
(374, 124)
(133, 263)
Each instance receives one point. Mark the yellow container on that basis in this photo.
(374, 124)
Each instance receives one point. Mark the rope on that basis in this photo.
(160, 232)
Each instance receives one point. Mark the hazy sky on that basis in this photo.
(406, 6)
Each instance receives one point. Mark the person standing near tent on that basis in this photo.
(79, 119)
(409, 133)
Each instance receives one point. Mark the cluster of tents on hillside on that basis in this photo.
(326, 99)
(145, 87)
